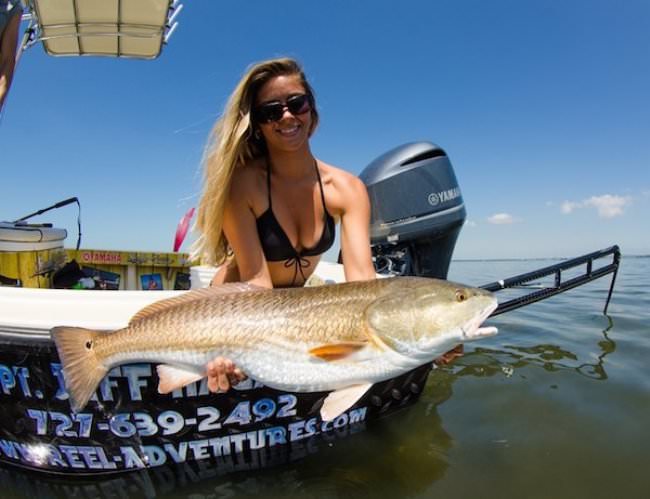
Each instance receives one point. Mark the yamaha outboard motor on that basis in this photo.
(417, 210)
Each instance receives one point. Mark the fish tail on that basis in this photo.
(82, 368)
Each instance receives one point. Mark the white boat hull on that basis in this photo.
(128, 425)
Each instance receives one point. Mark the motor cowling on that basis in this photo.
(417, 210)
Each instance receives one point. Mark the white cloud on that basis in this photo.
(501, 219)
(470, 223)
(607, 205)
(568, 206)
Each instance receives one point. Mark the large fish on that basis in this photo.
(341, 337)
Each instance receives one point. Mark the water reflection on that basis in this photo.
(550, 357)
(607, 346)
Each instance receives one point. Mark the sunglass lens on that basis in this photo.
(272, 111)
(298, 104)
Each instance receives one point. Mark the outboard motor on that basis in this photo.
(417, 210)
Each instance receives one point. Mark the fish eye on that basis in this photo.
(461, 296)
(89, 344)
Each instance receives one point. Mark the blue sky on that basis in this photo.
(543, 108)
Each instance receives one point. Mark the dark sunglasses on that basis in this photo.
(273, 111)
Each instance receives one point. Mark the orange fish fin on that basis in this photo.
(340, 401)
(336, 351)
(171, 378)
(195, 294)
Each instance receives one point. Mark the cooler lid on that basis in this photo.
(27, 237)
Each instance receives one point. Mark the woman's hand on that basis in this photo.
(450, 356)
(223, 374)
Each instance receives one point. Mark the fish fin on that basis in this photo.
(341, 400)
(336, 351)
(82, 368)
(195, 294)
(171, 378)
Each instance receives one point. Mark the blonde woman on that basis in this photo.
(269, 207)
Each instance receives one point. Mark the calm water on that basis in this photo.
(556, 405)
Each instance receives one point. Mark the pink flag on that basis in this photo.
(181, 230)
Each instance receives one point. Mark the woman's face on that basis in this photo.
(291, 131)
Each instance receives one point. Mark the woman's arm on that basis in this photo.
(355, 230)
(239, 227)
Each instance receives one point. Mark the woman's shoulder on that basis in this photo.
(248, 178)
(341, 180)
(252, 169)
(343, 190)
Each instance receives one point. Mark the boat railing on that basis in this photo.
(561, 282)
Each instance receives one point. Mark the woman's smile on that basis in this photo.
(289, 130)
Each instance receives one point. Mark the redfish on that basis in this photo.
(340, 337)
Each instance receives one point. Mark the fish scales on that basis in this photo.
(315, 316)
(305, 339)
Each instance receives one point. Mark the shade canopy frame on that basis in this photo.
(112, 28)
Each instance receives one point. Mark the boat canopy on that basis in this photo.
(113, 28)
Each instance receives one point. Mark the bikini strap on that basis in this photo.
(268, 180)
(320, 184)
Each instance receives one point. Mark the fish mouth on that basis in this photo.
(473, 330)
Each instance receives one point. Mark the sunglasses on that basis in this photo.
(274, 111)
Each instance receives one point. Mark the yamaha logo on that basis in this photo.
(435, 198)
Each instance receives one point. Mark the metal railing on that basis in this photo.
(591, 272)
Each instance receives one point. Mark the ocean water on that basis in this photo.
(556, 405)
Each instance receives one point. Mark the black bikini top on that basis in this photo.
(277, 246)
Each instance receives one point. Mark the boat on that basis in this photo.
(417, 213)
(127, 424)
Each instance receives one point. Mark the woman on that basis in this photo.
(10, 15)
(269, 207)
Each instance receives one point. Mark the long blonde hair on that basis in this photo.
(232, 143)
